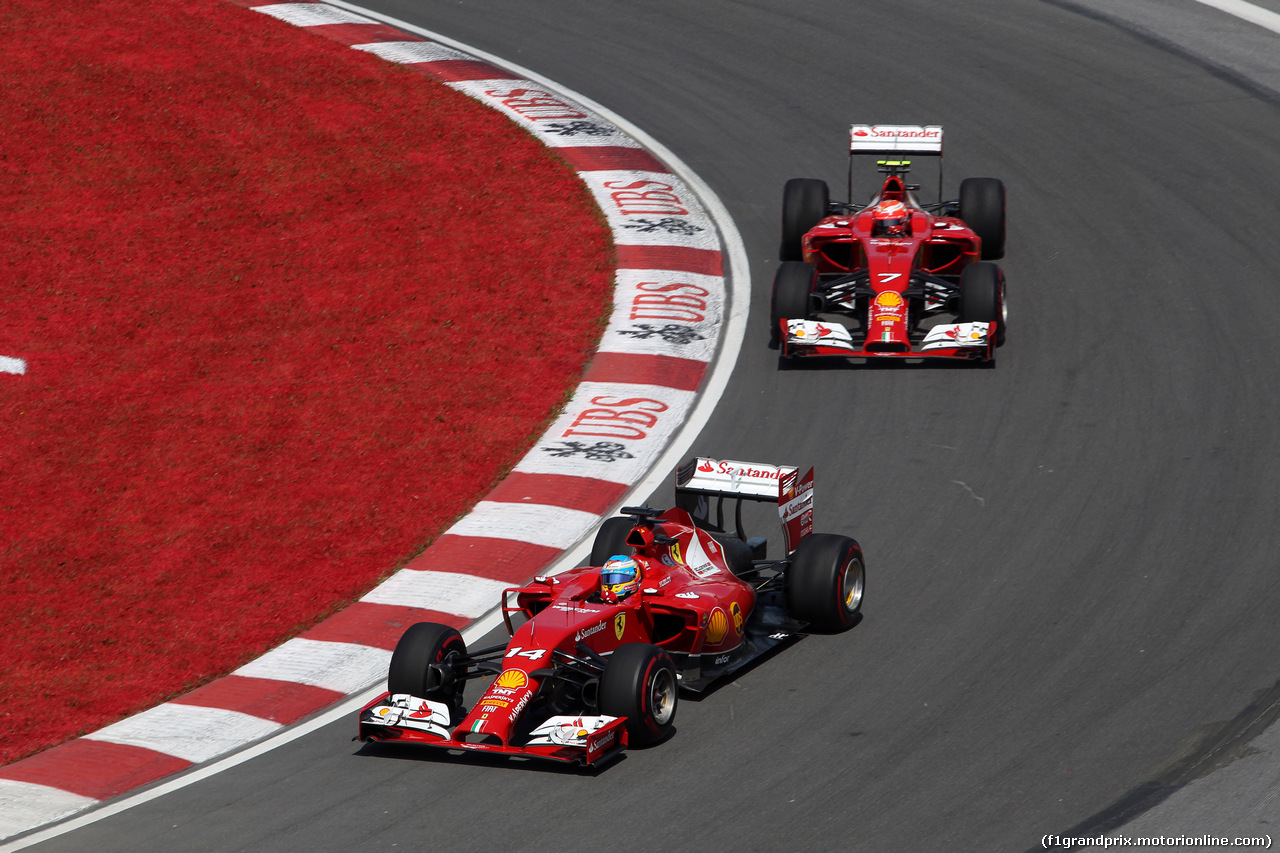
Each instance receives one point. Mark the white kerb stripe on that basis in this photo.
(538, 524)
(187, 731)
(410, 52)
(25, 806)
(342, 667)
(1248, 12)
(311, 14)
(446, 592)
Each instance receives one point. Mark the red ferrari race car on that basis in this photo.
(670, 601)
(891, 266)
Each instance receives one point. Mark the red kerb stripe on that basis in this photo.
(379, 625)
(683, 373)
(584, 493)
(461, 70)
(94, 768)
(704, 261)
(282, 702)
(500, 559)
(591, 158)
(352, 34)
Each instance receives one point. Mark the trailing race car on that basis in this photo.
(893, 265)
(670, 601)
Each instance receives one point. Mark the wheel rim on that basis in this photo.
(853, 583)
(459, 685)
(662, 696)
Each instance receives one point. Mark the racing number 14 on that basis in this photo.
(531, 654)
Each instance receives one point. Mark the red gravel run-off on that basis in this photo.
(288, 310)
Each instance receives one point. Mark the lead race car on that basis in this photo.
(670, 601)
(892, 267)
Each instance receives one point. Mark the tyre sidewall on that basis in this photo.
(816, 591)
(982, 208)
(423, 644)
(804, 205)
(626, 690)
(793, 284)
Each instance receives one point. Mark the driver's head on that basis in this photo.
(890, 219)
(619, 578)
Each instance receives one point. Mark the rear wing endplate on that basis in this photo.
(701, 478)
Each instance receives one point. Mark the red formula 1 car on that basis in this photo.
(892, 266)
(591, 668)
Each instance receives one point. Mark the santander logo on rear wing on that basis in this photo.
(795, 506)
(895, 139)
(754, 481)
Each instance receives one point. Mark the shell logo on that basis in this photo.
(888, 299)
(717, 627)
(512, 678)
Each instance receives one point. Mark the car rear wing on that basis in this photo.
(892, 141)
(701, 478)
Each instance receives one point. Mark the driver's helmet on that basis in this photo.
(890, 219)
(619, 578)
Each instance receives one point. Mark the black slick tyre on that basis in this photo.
(982, 297)
(982, 207)
(640, 684)
(793, 286)
(611, 539)
(804, 205)
(422, 664)
(826, 581)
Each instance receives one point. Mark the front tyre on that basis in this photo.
(640, 684)
(793, 285)
(982, 297)
(826, 581)
(425, 664)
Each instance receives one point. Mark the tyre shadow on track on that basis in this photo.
(475, 759)
(730, 677)
(841, 363)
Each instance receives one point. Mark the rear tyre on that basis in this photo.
(826, 581)
(982, 297)
(640, 684)
(424, 664)
(982, 207)
(611, 539)
(793, 285)
(804, 205)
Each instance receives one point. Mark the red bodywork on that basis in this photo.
(689, 603)
(940, 245)
(844, 244)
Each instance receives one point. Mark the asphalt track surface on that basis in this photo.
(1072, 557)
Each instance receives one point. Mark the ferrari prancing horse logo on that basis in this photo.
(619, 623)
